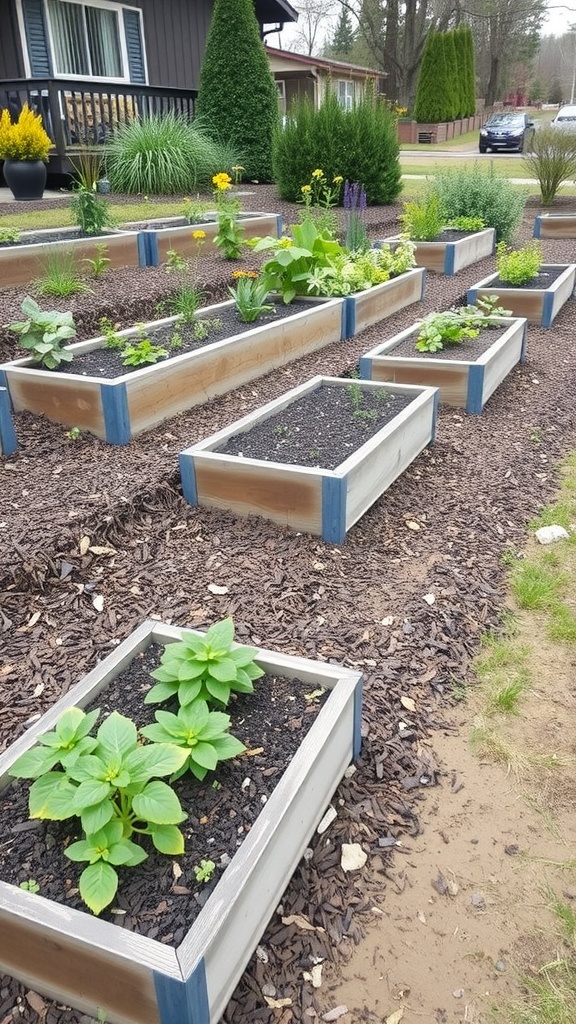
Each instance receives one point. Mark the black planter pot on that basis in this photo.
(26, 179)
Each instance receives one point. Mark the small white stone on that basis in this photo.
(353, 857)
(327, 820)
(550, 534)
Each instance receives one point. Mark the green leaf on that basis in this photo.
(220, 635)
(190, 670)
(82, 850)
(192, 718)
(34, 763)
(90, 793)
(205, 755)
(157, 734)
(242, 656)
(126, 852)
(159, 804)
(96, 817)
(220, 691)
(243, 682)
(157, 759)
(98, 885)
(162, 691)
(87, 768)
(223, 670)
(188, 692)
(117, 736)
(68, 725)
(167, 839)
(52, 796)
(227, 746)
(217, 723)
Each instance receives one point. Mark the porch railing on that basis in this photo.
(79, 114)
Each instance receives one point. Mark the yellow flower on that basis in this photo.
(244, 273)
(317, 173)
(198, 235)
(338, 179)
(222, 181)
(306, 189)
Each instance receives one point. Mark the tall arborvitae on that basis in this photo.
(452, 78)
(461, 51)
(471, 72)
(238, 98)
(431, 101)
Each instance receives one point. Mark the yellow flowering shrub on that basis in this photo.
(24, 139)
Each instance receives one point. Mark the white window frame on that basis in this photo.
(346, 93)
(281, 85)
(118, 8)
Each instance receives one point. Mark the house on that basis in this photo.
(298, 76)
(87, 65)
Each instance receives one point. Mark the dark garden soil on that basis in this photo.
(71, 234)
(152, 899)
(405, 599)
(177, 338)
(467, 349)
(322, 428)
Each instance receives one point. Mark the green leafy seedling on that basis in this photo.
(201, 732)
(206, 668)
(43, 332)
(204, 870)
(104, 850)
(30, 885)
(143, 353)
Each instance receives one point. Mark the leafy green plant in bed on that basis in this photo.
(202, 733)
(143, 353)
(466, 223)
(113, 784)
(204, 870)
(90, 210)
(452, 326)
(98, 263)
(208, 668)
(293, 260)
(518, 266)
(11, 235)
(112, 339)
(250, 296)
(479, 192)
(43, 333)
(195, 210)
(183, 303)
(423, 219)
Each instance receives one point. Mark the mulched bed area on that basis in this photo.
(81, 520)
(322, 428)
(55, 236)
(467, 349)
(151, 898)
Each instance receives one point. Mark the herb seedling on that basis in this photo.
(202, 328)
(201, 732)
(175, 261)
(11, 235)
(176, 341)
(100, 261)
(30, 885)
(73, 434)
(143, 353)
(44, 332)
(206, 668)
(204, 870)
(518, 266)
(112, 339)
(185, 302)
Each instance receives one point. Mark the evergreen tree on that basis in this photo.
(471, 75)
(452, 77)
(432, 102)
(461, 51)
(238, 98)
(343, 38)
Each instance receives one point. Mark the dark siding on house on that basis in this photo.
(175, 36)
(11, 60)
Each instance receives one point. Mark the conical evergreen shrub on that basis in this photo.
(238, 98)
(433, 103)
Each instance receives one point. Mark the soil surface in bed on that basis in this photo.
(83, 521)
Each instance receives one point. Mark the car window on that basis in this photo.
(567, 117)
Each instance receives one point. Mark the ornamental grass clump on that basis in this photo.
(551, 160)
(24, 139)
(518, 266)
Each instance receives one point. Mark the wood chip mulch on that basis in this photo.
(405, 599)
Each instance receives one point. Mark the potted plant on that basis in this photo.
(141, 376)
(316, 458)
(531, 288)
(129, 977)
(24, 147)
(444, 245)
(466, 352)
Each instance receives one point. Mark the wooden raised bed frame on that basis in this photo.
(383, 300)
(539, 305)
(119, 409)
(464, 382)
(555, 225)
(448, 257)
(90, 964)
(180, 237)
(8, 442)
(21, 264)
(314, 500)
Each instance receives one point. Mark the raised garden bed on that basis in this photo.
(8, 443)
(93, 965)
(555, 225)
(453, 251)
(383, 300)
(466, 373)
(176, 233)
(21, 262)
(307, 497)
(540, 305)
(118, 409)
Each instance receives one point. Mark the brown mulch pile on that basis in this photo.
(439, 533)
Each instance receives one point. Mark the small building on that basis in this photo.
(298, 76)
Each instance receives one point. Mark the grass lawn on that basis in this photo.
(62, 216)
(510, 167)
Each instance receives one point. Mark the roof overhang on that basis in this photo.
(272, 12)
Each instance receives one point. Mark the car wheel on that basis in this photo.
(482, 149)
(521, 146)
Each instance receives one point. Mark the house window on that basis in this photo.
(346, 94)
(281, 86)
(88, 40)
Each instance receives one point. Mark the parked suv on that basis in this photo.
(506, 130)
